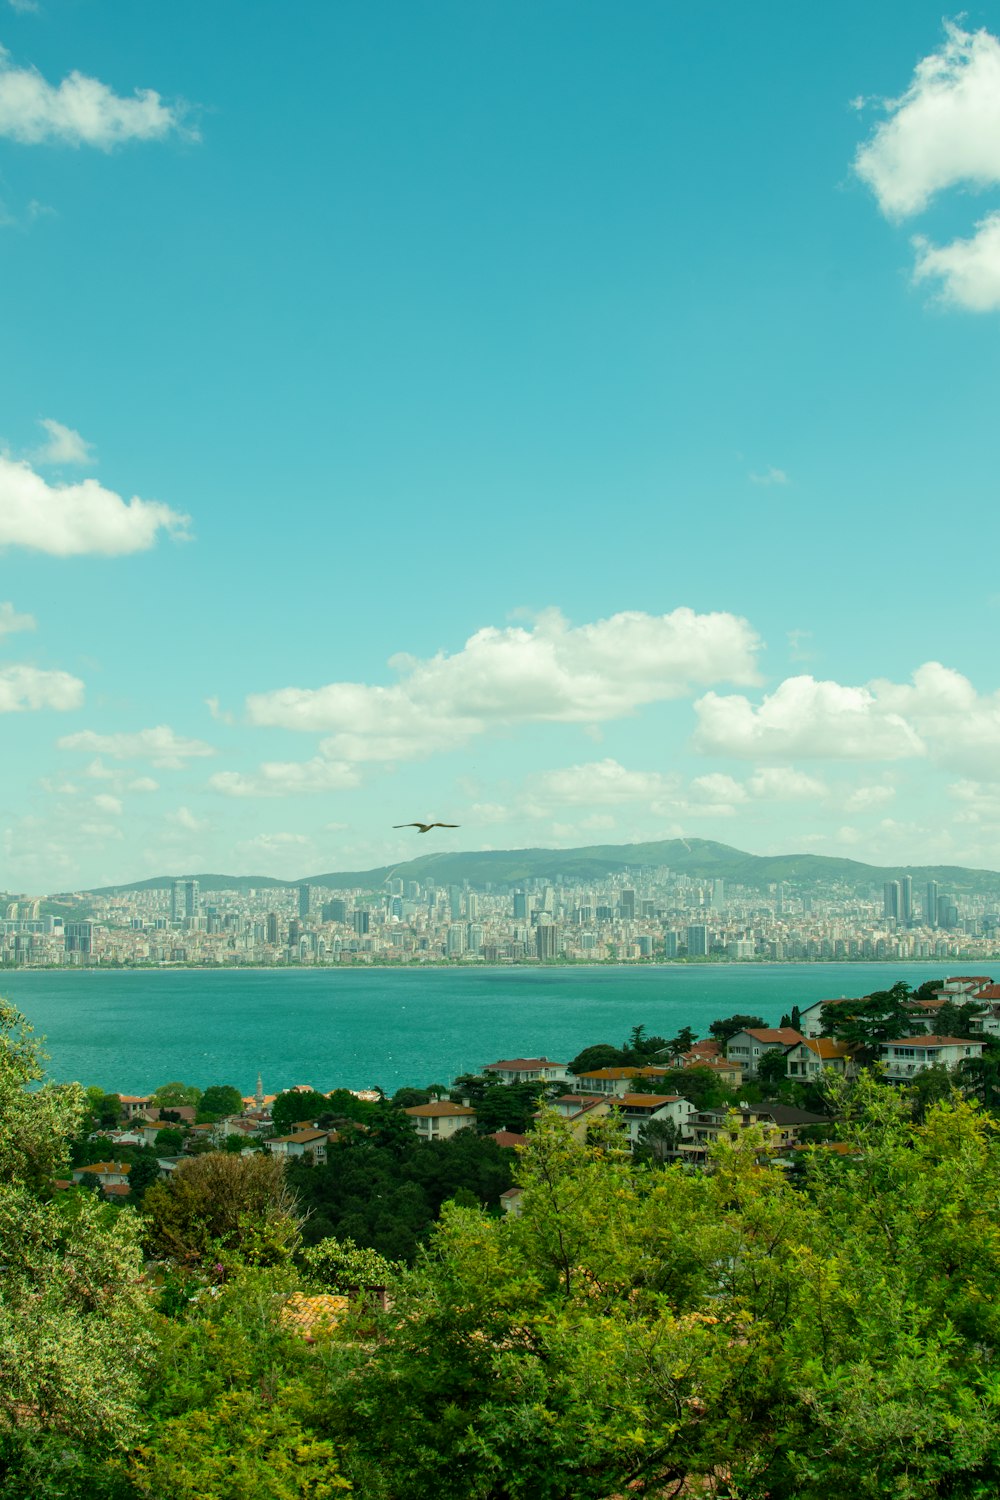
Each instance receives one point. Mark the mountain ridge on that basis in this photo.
(698, 858)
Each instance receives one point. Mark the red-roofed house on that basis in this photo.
(616, 1081)
(308, 1142)
(441, 1119)
(638, 1109)
(816, 1055)
(912, 1054)
(748, 1047)
(110, 1173)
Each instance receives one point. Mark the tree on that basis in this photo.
(730, 1025)
(601, 1055)
(169, 1142)
(238, 1204)
(956, 1020)
(219, 1100)
(173, 1095)
(343, 1266)
(144, 1171)
(681, 1043)
(73, 1343)
(657, 1141)
(772, 1068)
(343, 1105)
(103, 1110)
(293, 1106)
(883, 1016)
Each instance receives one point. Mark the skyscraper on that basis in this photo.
(305, 902)
(697, 941)
(628, 905)
(176, 900)
(890, 900)
(191, 899)
(520, 906)
(362, 922)
(930, 904)
(905, 884)
(272, 928)
(547, 940)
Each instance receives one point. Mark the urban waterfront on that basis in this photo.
(132, 1030)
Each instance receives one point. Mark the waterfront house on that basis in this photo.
(136, 1104)
(441, 1119)
(814, 1056)
(528, 1070)
(108, 1173)
(638, 1109)
(748, 1047)
(581, 1110)
(729, 1073)
(617, 1081)
(912, 1054)
(309, 1142)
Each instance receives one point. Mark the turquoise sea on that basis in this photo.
(132, 1030)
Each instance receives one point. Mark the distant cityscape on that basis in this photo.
(650, 915)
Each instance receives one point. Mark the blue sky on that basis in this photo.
(570, 421)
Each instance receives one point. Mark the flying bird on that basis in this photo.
(426, 827)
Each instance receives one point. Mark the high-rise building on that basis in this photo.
(670, 944)
(362, 921)
(455, 942)
(79, 937)
(177, 900)
(272, 928)
(191, 901)
(474, 937)
(930, 904)
(547, 940)
(335, 910)
(718, 894)
(455, 902)
(520, 906)
(890, 900)
(697, 941)
(628, 905)
(905, 884)
(472, 906)
(305, 902)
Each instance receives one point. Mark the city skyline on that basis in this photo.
(553, 422)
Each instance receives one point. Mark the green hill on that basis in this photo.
(700, 858)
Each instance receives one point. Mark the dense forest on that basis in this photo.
(631, 1328)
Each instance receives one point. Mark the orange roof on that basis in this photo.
(933, 1041)
(312, 1315)
(434, 1111)
(106, 1168)
(786, 1035)
(654, 1101)
(651, 1071)
(825, 1046)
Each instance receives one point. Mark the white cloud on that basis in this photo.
(11, 622)
(552, 672)
(944, 131)
(805, 719)
(185, 818)
(866, 797)
(287, 778)
(64, 445)
(143, 784)
(938, 714)
(80, 111)
(784, 784)
(67, 520)
(29, 688)
(770, 476)
(159, 745)
(601, 783)
(106, 803)
(969, 270)
(220, 715)
(717, 790)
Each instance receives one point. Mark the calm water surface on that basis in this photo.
(131, 1031)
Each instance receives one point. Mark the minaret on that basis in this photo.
(259, 1096)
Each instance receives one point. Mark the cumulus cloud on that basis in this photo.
(11, 622)
(67, 520)
(80, 111)
(287, 778)
(159, 745)
(770, 476)
(944, 132)
(185, 818)
(24, 687)
(784, 784)
(602, 782)
(106, 803)
(717, 790)
(968, 270)
(866, 797)
(552, 672)
(805, 719)
(64, 446)
(938, 714)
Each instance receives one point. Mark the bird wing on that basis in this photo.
(444, 825)
(407, 825)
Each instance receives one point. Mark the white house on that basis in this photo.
(912, 1054)
(816, 1055)
(440, 1120)
(637, 1109)
(616, 1082)
(528, 1070)
(748, 1047)
(300, 1143)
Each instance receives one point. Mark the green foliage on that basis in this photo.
(601, 1055)
(169, 1141)
(170, 1095)
(343, 1105)
(772, 1069)
(220, 1100)
(698, 1085)
(956, 1020)
(730, 1025)
(291, 1107)
(220, 1202)
(103, 1110)
(343, 1266)
(883, 1016)
(682, 1042)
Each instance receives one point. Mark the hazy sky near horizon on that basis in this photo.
(575, 422)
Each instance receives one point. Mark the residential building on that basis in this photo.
(912, 1054)
(748, 1047)
(440, 1120)
(616, 1082)
(528, 1070)
(814, 1056)
(638, 1109)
